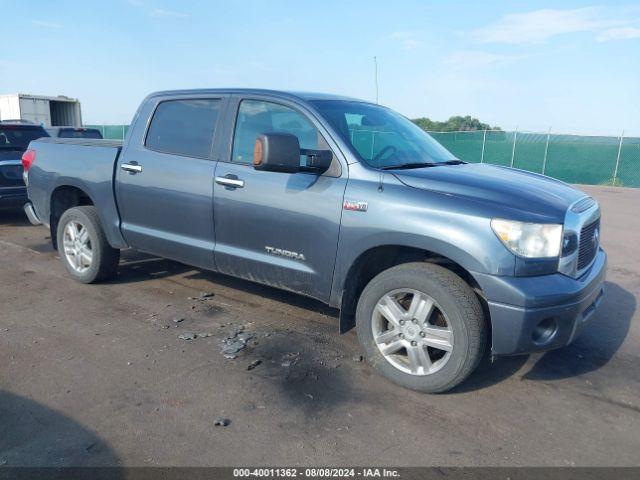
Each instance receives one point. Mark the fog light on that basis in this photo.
(544, 331)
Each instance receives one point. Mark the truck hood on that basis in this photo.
(515, 189)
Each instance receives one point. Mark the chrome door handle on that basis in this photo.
(131, 167)
(230, 182)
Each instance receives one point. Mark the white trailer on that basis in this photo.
(41, 110)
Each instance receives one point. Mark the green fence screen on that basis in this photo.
(112, 132)
(591, 160)
(588, 160)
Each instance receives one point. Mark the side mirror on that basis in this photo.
(277, 152)
(317, 160)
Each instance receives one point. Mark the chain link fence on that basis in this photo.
(590, 160)
(112, 132)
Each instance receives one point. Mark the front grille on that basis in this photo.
(589, 243)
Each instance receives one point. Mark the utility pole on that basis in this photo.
(375, 73)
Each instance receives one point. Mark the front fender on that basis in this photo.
(398, 215)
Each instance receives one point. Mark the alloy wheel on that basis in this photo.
(77, 246)
(412, 332)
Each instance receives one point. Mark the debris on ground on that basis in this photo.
(358, 358)
(235, 341)
(290, 359)
(187, 336)
(178, 319)
(202, 296)
(231, 348)
(222, 422)
(236, 331)
(244, 337)
(254, 364)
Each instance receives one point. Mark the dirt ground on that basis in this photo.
(96, 375)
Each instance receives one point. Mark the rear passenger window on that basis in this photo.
(256, 117)
(184, 127)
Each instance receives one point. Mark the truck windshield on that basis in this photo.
(17, 137)
(381, 137)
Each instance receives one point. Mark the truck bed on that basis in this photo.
(86, 164)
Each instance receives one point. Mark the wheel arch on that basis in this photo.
(71, 192)
(62, 198)
(375, 260)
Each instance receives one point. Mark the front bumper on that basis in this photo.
(13, 196)
(520, 305)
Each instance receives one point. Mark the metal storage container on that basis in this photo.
(41, 110)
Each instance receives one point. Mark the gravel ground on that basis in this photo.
(97, 375)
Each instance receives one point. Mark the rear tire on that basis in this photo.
(421, 326)
(83, 246)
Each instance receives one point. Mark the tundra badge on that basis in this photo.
(285, 253)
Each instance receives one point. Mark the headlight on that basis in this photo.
(531, 240)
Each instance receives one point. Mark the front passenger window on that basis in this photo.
(256, 117)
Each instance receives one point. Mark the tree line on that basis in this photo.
(454, 124)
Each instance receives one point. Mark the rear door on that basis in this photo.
(277, 228)
(164, 179)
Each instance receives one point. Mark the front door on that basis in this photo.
(277, 228)
(164, 186)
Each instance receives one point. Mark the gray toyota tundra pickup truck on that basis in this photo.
(433, 260)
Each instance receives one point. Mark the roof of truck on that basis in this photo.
(306, 96)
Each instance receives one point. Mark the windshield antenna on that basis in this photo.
(375, 75)
(375, 80)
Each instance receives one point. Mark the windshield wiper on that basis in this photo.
(423, 164)
(454, 162)
(411, 165)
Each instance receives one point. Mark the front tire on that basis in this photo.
(421, 326)
(83, 246)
